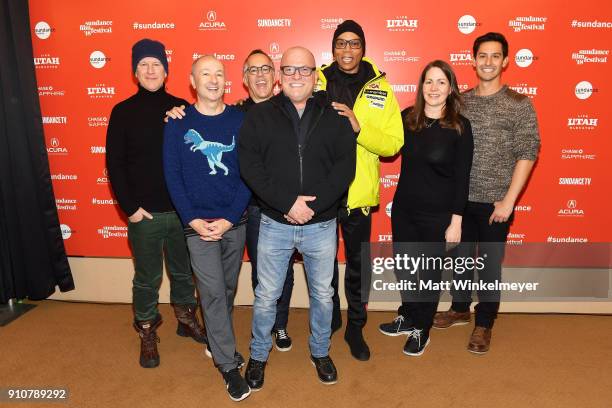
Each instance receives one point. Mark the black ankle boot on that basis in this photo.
(354, 337)
(149, 356)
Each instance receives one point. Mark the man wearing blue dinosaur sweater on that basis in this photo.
(202, 173)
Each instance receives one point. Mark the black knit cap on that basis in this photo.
(352, 27)
(149, 48)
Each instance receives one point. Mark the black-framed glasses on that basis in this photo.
(290, 70)
(264, 69)
(354, 44)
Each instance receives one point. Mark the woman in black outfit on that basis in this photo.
(431, 194)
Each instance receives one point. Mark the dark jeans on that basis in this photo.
(419, 233)
(252, 238)
(487, 241)
(356, 228)
(149, 240)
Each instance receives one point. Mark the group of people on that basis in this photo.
(279, 173)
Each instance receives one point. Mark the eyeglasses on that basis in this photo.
(289, 70)
(354, 44)
(264, 69)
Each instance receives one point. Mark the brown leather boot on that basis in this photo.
(444, 320)
(149, 357)
(188, 325)
(480, 340)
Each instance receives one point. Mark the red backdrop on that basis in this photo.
(559, 53)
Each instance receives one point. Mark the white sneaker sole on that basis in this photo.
(322, 382)
(419, 353)
(457, 323)
(283, 349)
(400, 333)
(243, 396)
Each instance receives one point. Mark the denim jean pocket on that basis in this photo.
(265, 220)
(326, 224)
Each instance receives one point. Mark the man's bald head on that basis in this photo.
(208, 78)
(298, 87)
(301, 53)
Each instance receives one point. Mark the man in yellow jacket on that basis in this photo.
(359, 91)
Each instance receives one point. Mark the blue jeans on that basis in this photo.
(317, 244)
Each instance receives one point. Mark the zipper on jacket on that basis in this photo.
(301, 169)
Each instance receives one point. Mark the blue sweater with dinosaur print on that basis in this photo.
(201, 166)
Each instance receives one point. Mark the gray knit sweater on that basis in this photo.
(505, 130)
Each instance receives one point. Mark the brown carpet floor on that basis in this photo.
(535, 361)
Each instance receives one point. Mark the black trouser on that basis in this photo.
(252, 237)
(356, 228)
(419, 233)
(488, 241)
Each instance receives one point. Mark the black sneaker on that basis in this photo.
(282, 341)
(237, 387)
(254, 374)
(326, 370)
(416, 343)
(398, 327)
(237, 356)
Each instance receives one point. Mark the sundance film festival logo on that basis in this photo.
(331, 23)
(576, 154)
(104, 178)
(584, 90)
(90, 28)
(48, 90)
(113, 231)
(524, 58)
(46, 61)
(97, 149)
(101, 91)
(64, 177)
(462, 57)
(54, 120)
(522, 208)
(402, 23)
(404, 88)
(211, 23)
(525, 89)
(43, 30)
(592, 56)
(591, 24)
(515, 238)
(399, 56)
(66, 204)
(389, 180)
(66, 231)
(273, 22)
(220, 57)
(54, 148)
(571, 210)
(582, 122)
(274, 51)
(575, 181)
(467, 24)
(97, 59)
(528, 23)
(388, 209)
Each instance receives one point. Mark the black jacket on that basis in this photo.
(278, 169)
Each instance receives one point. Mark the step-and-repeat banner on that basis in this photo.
(559, 57)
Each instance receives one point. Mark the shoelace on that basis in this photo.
(398, 321)
(282, 334)
(416, 334)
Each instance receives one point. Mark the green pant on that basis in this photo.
(150, 239)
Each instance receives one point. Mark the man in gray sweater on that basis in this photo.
(506, 144)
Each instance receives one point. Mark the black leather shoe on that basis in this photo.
(254, 374)
(326, 370)
(354, 337)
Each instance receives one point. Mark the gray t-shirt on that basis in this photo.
(505, 129)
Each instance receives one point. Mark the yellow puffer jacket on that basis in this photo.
(381, 134)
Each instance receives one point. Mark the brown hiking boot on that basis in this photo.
(149, 357)
(480, 340)
(444, 320)
(188, 325)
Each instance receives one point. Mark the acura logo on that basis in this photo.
(54, 142)
(211, 15)
(105, 172)
(274, 48)
(571, 204)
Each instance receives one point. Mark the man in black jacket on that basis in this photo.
(134, 161)
(298, 156)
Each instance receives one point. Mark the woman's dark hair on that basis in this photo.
(415, 118)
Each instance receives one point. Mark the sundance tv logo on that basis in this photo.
(211, 23)
(404, 88)
(54, 120)
(43, 30)
(274, 23)
(575, 181)
(402, 23)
